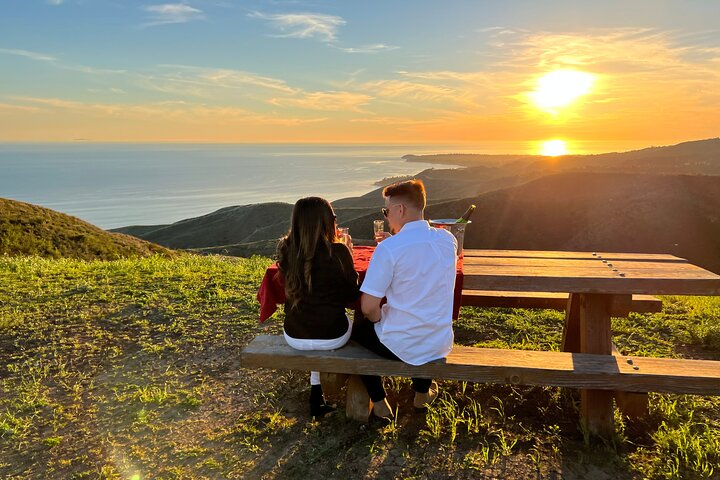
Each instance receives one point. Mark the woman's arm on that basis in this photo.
(351, 289)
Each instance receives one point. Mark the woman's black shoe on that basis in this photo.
(321, 411)
(318, 407)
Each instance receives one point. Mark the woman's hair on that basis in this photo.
(312, 225)
(410, 191)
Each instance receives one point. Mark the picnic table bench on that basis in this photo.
(493, 365)
(595, 286)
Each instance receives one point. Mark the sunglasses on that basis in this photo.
(385, 211)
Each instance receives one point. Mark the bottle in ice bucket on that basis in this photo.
(466, 216)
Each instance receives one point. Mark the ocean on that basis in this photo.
(114, 185)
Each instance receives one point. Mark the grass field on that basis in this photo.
(129, 369)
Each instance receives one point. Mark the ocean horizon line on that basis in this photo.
(500, 147)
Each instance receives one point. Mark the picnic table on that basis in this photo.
(599, 283)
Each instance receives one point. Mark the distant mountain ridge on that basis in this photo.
(27, 229)
(692, 157)
(484, 173)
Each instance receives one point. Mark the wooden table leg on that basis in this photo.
(595, 337)
(571, 329)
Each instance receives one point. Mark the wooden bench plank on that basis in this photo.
(653, 257)
(578, 263)
(489, 365)
(528, 282)
(548, 300)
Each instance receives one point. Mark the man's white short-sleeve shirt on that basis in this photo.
(415, 270)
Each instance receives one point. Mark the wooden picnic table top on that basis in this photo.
(586, 272)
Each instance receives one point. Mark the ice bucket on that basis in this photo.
(457, 229)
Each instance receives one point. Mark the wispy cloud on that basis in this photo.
(205, 81)
(410, 90)
(394, 121)
(10, 108)
(56, 62)
(55, 2)
(27, 54)
(304, 25)
(113, 90)
(177, 111)
(375, 48)
(329, 101)
(168, 13)
(318, 26)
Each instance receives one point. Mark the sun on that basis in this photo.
(560, 88)
(553, 148)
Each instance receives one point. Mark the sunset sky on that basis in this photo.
(369, 71)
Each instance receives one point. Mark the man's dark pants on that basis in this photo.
(364, 334)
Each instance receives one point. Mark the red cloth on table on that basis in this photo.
(272, 289)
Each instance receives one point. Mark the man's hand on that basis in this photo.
(380, 236)
(370, 307)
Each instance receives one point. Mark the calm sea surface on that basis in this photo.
(113, 185)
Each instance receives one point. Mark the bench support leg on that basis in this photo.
(595, 337)
(357, 405)
(631, 404)
(332, 383)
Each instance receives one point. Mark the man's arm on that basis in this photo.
(370, 306)
(377, 281)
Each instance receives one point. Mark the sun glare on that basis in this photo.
(553, 148)
(560, 88)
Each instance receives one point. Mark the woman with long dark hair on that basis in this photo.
(320, 280)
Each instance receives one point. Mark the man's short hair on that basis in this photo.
(411, 192)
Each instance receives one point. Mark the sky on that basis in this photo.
(359, 71)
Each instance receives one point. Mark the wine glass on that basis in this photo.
(378, 226)
(379, 230)
(343, 234)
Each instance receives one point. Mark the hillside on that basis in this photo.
(447, 184)
(229, 225)
(677, 214)
(27, 229)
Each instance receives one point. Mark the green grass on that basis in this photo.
(129, 369)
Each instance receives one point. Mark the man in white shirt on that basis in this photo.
(415, 270)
